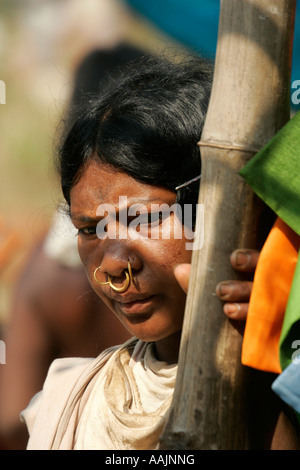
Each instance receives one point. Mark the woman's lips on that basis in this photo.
(138, 306)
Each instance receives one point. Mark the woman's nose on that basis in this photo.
(115, 262)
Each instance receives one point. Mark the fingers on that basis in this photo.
(236, 311)
(244, 260)
(236, 296)
(182, 274)
(234, 291)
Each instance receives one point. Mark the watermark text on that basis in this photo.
(296, 94)
(156, 222)
(2, 352)
(2, 92)
(296, 354)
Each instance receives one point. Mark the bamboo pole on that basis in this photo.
(249, 104)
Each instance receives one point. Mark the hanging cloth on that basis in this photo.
(271, 288)
(274, 175)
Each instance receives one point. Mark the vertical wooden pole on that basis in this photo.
(249, 104)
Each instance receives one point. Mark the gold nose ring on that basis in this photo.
(124, 286)
(97, 280)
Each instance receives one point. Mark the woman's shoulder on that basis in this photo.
(68, 366)
(73, 367)
(65, 376)
(61, 376)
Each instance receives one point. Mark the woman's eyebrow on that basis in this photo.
(84, 218)
(152, 200)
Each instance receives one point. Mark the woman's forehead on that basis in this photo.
(103, 184)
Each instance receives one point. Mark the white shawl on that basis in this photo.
(119, 400)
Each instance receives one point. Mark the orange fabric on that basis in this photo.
(271, 287)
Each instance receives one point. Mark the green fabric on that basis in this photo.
(290, 331)
(274, 173)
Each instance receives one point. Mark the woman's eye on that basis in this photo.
(87, 231)
(150, 219)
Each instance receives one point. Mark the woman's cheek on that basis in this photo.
(88, 254)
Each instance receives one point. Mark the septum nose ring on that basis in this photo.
(124, 286)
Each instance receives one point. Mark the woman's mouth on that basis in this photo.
(137, 306)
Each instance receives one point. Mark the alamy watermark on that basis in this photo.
(2, 101)
(296, 94)
(162, 221)
(2, 92)
(295, 97)
(2, 352)
(296, 354)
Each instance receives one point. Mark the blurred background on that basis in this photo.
(42, 46)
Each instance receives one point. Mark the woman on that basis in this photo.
(123, 166)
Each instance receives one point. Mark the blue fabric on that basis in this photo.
(194, 23)
(287, 385)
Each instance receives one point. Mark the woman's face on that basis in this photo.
(119, 208)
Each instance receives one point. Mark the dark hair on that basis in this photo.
(146, 122)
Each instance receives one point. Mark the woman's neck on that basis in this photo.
(168, 349)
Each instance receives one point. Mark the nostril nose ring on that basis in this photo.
(124, 286)
(97, 280)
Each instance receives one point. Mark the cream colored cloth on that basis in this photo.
(119, 401)
(61, 241)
